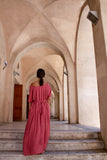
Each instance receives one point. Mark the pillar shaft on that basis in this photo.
(61, 105)
(72, 96)
(101, 68)
(65, 99)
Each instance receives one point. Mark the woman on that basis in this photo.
(38, 125)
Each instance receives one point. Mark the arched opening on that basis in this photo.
(40, 57)
(88, 105)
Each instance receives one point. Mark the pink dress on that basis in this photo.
(37, 129)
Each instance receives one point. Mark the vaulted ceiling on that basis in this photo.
(27, 22)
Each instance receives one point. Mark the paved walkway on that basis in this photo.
(55, 125)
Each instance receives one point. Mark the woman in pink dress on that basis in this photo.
(37, 129)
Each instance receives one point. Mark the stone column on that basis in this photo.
(8, 95)
(56, 105)
(103, 6)
(2, 90)
(51, 105)
(65, 99)
(61, 111)
(101, 68)
(2, 72)
(72, 95)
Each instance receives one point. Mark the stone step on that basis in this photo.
(65, 135)
(61, 135)
(63, 145)
(55, 145)
(68, 155)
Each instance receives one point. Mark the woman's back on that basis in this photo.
(39, 92)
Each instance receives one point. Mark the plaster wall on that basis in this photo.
(88, 105)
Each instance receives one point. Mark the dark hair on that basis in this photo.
(40, 74)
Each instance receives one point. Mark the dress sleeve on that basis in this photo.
(49, 92)
(30, 94)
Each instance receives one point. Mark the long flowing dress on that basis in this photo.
(37, 129)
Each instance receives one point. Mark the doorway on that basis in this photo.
(17, 105)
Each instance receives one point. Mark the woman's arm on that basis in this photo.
(49, 100)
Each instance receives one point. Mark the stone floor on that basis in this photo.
(54, 124)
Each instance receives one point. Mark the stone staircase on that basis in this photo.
(62, 145)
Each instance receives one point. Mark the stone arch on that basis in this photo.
(30, 75)
(32, 71)
(72, 102)
(72, 96)
(86, 72)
